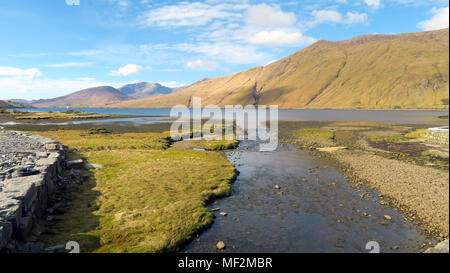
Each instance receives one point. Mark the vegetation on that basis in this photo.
(396, 141)
(69, 114)
(145, 198)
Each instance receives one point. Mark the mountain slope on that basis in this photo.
(10, 104)
(90, 96)
(371, 71)
(144, 90)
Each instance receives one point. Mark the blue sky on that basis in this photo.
(55, 47)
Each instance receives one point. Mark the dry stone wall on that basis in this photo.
(438, 135)
(30, 167)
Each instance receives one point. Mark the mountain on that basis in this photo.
(11, 104)
(144, 90)
(20, 101)
(101, 95)
(105, 95)
(371, 71)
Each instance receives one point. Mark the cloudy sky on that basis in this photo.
(54, 47)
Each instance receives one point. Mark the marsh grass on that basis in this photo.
(145, 198)
(70, 114)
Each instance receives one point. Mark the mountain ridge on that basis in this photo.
(104, 95)
(377, 71)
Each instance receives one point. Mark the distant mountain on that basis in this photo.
(144, 90)
(19, 101)
(101, 95)
(11, 104)
(371, 71)
(105, 95)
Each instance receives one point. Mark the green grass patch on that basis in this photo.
(417, 134)
(145, 198)
(314, 136)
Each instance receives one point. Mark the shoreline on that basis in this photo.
(410, 213)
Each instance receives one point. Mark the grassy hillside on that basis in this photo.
(372, 71)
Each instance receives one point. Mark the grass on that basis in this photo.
(70, 114)
(388, 138)
(396, 141)
(314, 136)
(145, 198)
(92, 140)
(417, 134)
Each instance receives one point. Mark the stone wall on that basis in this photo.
(438, 135)
(24, 199)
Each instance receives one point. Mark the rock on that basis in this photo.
(56, 249)
(223, 213)
(90, 166)
(442, 247)
(277, 187)
(52, 146)
(215, 209)
(78, 163)
(220, 245)
(331, 149)
(387, 217)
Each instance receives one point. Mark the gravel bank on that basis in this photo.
(422, 193)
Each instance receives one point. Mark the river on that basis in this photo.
(290, 201)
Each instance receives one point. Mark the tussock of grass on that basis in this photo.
(144, 199)
(314, 136)
(388, 138)
(417, 134)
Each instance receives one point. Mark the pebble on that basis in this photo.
(220, 245)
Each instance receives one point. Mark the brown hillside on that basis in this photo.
(92, 96)
(371, 71)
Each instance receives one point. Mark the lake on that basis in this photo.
(284, 114)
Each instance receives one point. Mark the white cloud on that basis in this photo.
(74, 64)
(172, 84)
(279, 38)
(324, 16)
(202, 65)
(189, 14)
(354, 18)
(374, 4)
(439, 20)
(269, 16)
(232, 53)
(89, 79)
(19, 73)
(127, 70)
(270, 62)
